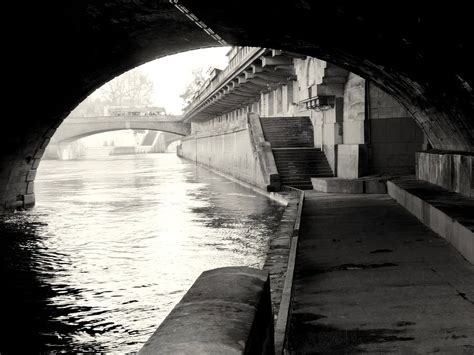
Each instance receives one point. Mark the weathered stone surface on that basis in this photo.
(226, 311)
(339, 185)
(447, 169)
(449, 214)
(83, 45)
(232, 154)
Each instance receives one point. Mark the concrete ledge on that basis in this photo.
(368, 185)
(339, 185)
(448, 214)
(226, 311)
(285, 306)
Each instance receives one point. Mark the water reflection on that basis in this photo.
(112, 245)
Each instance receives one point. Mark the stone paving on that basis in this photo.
(371, 278)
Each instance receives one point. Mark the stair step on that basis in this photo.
(302, 163)
(306, 162)
(308, 171)
(300, 175)
(299, 157)
(288, 131)
(296, 150)
(296, 158)
(299, 153)
(299, 167)
(293, 150)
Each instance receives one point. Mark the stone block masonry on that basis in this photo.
(394, 135)
(230, 153)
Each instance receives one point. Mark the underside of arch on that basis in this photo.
(420, 54)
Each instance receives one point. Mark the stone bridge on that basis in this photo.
(79, 127)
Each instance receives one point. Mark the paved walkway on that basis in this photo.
(371, 278)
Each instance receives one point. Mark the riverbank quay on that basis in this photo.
(281, 253)
(279, 268)
(280, 263)
(279, 244)
(370, 277)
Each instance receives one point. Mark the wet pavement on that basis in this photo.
(371, 278)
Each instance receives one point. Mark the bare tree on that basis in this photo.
(199, 78)
(133, 88)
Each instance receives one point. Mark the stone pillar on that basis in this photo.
(394, 135)
(352, 152)
(17, 176)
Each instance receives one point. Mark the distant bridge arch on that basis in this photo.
(75, 128)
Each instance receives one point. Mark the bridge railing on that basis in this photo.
(242, 54)
(164, 118)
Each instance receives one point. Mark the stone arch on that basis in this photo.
(406, 51)
(69, 132)
(55, 147)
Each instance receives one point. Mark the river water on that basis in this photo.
(114, 243)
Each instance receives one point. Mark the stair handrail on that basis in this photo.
(263, 151)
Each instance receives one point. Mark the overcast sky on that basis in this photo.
(172, 74)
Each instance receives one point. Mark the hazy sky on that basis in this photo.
(172, 74)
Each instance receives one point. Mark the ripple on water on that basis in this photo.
(113, 244)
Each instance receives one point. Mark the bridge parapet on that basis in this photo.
(160, 118)
(251, 72)
(75, 128)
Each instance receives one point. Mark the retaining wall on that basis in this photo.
(226, 311)
(451, 170)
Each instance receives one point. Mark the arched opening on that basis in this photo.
(92, 190)
(79, 58)
(98, 42)
(144, 141)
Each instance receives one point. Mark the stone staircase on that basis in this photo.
(292, 140)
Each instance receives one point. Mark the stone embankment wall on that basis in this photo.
(229, 152)
(364, 132)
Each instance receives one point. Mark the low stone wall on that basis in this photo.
(451, 170)
(447, 215)
(226, 311)
(280, 263)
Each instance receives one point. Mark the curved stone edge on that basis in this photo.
(282, 290)
(227, 310)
